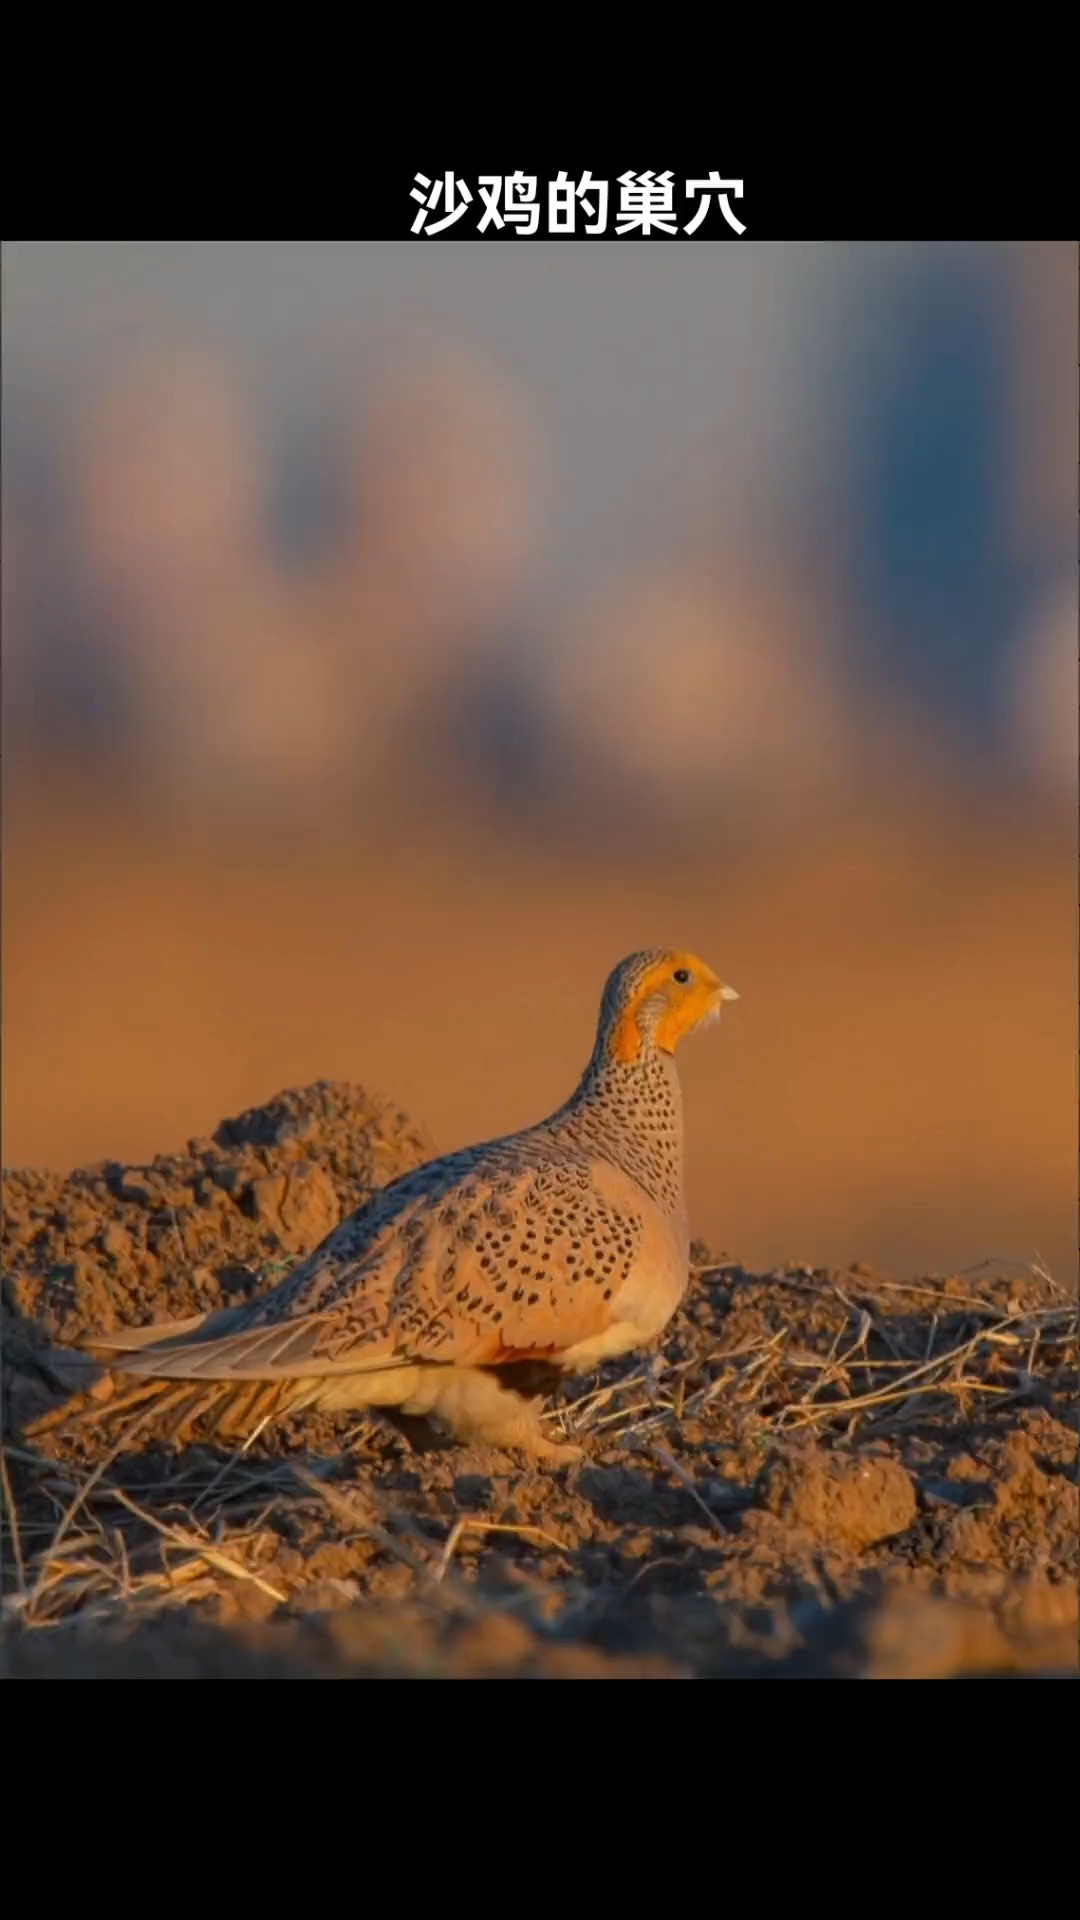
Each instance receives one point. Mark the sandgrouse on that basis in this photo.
(566, 1243)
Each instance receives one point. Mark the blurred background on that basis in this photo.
(393, 637)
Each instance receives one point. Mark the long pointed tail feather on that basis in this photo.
(282, 1350)
(221, 1320)
(173, 1409)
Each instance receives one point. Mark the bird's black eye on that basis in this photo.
(682, 975)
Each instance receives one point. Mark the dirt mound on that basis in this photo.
(113, 1245)
(826, 1472)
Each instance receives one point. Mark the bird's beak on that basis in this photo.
(728, 993)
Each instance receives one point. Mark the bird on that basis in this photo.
(565, 1244)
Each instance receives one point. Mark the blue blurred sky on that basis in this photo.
(885, 428)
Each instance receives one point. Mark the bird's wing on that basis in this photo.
(533, 1268)
(288, 1331)
(507, 1256)
(218, 1320)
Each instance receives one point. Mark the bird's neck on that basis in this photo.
(633, 1114)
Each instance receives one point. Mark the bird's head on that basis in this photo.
(652, 999)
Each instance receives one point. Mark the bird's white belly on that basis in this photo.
(640, 1312)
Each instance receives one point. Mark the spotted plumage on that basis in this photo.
(566, 1242)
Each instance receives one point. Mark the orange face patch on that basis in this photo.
(687, 1003)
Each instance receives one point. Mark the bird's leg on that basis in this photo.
(652, 1370)
(471, 1405)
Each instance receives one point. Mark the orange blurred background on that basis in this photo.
(392, 639)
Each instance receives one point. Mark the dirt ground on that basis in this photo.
(825, 1473)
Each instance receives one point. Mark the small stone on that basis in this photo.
(858, 1502)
